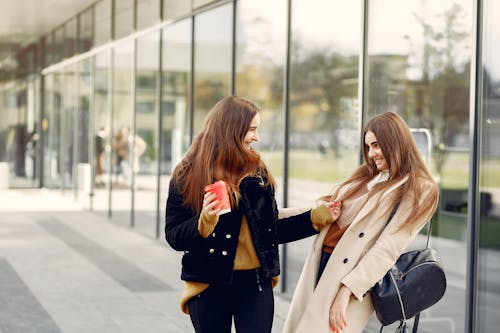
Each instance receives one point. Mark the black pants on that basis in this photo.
(249, 300)
(322, 264)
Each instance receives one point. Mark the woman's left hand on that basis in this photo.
(338, 319)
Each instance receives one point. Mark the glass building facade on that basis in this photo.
(107, 103)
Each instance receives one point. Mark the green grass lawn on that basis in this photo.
(311, 164)
(454, 226)
(454, 177)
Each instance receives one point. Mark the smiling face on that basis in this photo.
(375, 152)
(252, 134)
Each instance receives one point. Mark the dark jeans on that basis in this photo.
(249, 299)
(322, 263)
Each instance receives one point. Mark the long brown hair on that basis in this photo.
(403, 159)
(218, 153)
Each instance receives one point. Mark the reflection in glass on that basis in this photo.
(46, 124)
(58, 53)
(70, 38)
(4, 128)
(85, 41)
(145, 141)
(418, 66)
(176, 74)
(173, 9)
(148, 13)
(488, 304)
(199, 3)
(34, 142)
(212, 63)
(49, 49)
(83, 180)
(102, 23)
(124, 18)
(84, 71)
(324, 108)
(101, 132)
(17, 136)
(55, 132)
(68, 114)
(123, 56)
(260, 59)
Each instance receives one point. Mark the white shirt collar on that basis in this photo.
(381, 177)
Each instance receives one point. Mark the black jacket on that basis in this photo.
(211, 259)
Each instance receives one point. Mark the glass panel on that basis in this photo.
(70, 37)
(101, 132)
(488, 305)
(418, 66)
(68, 114)
(49, 49)
(324, 106)
(145, 159)
(212, 61)
(83, 167)
(260, 59)
(102, 20)
(54, 128)
(35, 137)
(199, 3)
(86, 32)
(46, 120)
(122, 120)
(17, 134)
(32, 136)
(148, 13)
(175, 100)
(124, 18)
(173, 9)
(4, 127)
(58, 54)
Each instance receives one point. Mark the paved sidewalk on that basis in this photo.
(64, 269)
(67, 270)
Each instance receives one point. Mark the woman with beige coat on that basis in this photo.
(349, 256)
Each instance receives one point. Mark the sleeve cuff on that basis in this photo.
(320, 217)
(355, 292)
(206, 224)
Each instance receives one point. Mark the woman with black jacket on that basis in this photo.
(231, 261)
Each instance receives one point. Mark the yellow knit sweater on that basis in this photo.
(245, 257)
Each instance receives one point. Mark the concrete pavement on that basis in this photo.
(67, 270)
(64, 269)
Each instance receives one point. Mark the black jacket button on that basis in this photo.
(345, 260)
(361, 235)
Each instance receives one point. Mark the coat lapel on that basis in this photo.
(370, 205)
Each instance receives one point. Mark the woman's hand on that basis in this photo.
(208, 217)
(338, 319)
(210, 204)
(335, 208)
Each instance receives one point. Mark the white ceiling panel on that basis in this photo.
(23, 21)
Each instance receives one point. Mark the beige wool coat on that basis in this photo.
(366, 251)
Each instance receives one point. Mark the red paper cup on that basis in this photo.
(219, 188)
